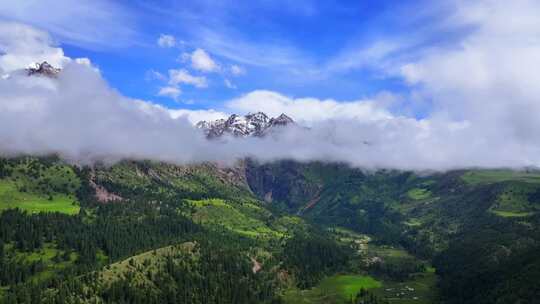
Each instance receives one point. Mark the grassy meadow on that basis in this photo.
(12, 197)
(334, 289)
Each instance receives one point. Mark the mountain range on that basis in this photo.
(282, 232)
(43, 69)
(253, 124)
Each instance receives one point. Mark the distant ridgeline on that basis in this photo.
(257, 124)
(283, 232)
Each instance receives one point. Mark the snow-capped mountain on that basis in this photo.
(43, 69)
(256, 124)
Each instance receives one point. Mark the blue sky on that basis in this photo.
(303, 48)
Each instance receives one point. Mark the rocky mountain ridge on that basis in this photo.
(43, 69)
(253, 124)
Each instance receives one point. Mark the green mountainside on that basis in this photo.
(282, 232)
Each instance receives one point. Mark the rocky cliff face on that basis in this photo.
(283, 183)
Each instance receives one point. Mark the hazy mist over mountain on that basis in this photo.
(481, 96)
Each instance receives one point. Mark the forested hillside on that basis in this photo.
(285, 232)
(480, 228)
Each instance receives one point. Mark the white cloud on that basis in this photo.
(484, 93)
(87, 122)
(166, 41)
(412, 73)
(308, 110)
(237, 70)
(183, 76)
(194, 116)
(171, 92)
(488, 78)
(201, 61)
(22, 46)
(84, 61)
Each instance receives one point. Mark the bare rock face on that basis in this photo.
(281, 120)
(253, 124)
(43, 69)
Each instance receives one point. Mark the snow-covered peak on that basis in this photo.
(252, 124)
(43, 69)
(281, 120)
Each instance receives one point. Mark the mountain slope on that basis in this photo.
(287, 216)
(480, 227)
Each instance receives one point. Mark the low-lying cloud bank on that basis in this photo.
(78, 116)
(484, 96)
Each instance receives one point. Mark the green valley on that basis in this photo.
(142, 232)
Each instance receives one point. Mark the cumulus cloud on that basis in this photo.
(87, 123)
(172, 92)
(182, 76)
(176, 77)
(195, 116)
(166, 41)
(309, 110)
(22, 46)
(488, 78)
(200, 60)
